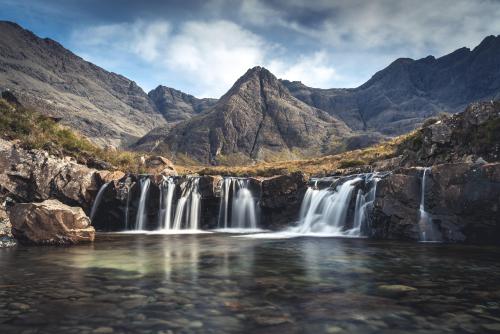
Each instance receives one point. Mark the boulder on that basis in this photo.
(160, 165)
(50, 223)
(106, 176)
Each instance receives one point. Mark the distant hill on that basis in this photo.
(398, 98)
(177, 106)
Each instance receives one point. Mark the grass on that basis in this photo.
(317, 166)
(36, 131)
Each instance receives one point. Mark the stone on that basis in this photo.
(159, 165)
(106, 176)
(50, 223)
(395, 289)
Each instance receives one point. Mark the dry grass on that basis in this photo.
(317, 166)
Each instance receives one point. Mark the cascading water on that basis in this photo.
(326, 211)
(427, 229)
(167, 189)
(238, 207)
(97, 200)
(140, 220)
(187, 213)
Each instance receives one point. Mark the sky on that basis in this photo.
(203, 47)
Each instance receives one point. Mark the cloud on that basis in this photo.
(209, 56)
(313, 70)
(214, 54)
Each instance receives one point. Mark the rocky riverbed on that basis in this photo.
(213, 283)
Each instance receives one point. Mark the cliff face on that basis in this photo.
(256, 119)
(400, 97)
(106, 107)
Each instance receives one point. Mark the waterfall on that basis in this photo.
(243, 211)
(140, 219)
(167, 189)
(426, 225)
(127, 212)
(364, 205)
(329, 210)
(187, 212)
(224, 203)
(97, 200)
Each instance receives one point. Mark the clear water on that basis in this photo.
(218, 283)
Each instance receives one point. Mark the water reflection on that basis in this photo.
(213, 283)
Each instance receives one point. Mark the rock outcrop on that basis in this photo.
(257, 119)
(34, 176)
(159, 165)
(465, 137)
(50, 223)
(106, 107)
(462, 200)
(281, 197)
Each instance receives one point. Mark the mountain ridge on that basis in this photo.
(255, 119)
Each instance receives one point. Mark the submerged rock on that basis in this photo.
(50, 223)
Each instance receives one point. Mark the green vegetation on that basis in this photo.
(36, 131)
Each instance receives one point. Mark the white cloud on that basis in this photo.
(312, 70)
(209, 56)
(214, 54)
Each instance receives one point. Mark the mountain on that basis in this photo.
(256, 119)
(398, 98)
(177, 106)
(106, 107)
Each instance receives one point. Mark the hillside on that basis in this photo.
(469, 136)
(400, 97)
(106, 107)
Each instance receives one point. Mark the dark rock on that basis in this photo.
(281, 199)
(463, 200)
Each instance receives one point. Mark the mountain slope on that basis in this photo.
(177, 106)
(106, 107)
(256, 119)
(398, 98)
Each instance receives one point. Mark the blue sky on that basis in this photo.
(202, 47)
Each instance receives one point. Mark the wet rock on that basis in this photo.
(50, 223)
(281, 198)
(462, 200)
